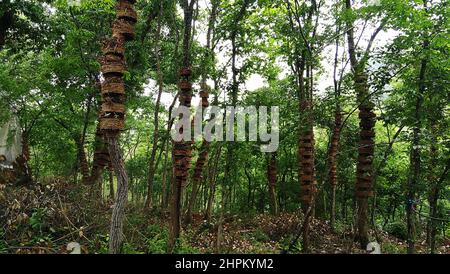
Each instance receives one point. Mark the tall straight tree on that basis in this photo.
(336, 131)
(272, 179)
(152, 165)
(367, 119)
(182, 149)
(303, 20)
(414, 179)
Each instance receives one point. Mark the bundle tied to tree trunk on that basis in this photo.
(366, 147)
(203, 154)
(201, 160)
(112, 113)
(306, 168)
(334, 149)
(182, 149)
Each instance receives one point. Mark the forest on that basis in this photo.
(224, 127)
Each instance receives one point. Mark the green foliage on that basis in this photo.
(37, 219)
(157, 238)
(285, 245)
(389, 248)
(260, 236)
(397, 229)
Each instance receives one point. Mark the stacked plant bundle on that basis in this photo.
(307, 169)
(201, 160)
(364, 173)
(272, 170)
(113, 66)
(182, 149)
(203, 155)
(334, 149)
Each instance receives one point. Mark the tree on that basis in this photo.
(366, 145)
(204, 95)
(113, 110)
(182, 149)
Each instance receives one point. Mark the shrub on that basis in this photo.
(397, 229)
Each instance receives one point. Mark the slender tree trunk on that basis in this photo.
(433, 200)
(116, 232)
(272, 178)
(415, 156)
(82, 159)
(220, 224)
(336, 135)
(212, 184)
(196, 179)
(152, 166)
(333, 165)
(111, 182)
(433, 191)
(101, 158)
(25, 176)
(164, 178)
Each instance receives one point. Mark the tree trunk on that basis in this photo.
(415, 161)
(101, 157)
(196, 179)
(111, 182)
(212, 184)
(272, 178)
(220, 224)
(112, 111)
(164, 178)
(182, 149)
(116, 231)
(82, 159)
(306, 154)
(152, 166)
(25, 176)
(332, 174)
(433, 200)
(366, 144)
(204, 95)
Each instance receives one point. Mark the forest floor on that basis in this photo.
(45, 217)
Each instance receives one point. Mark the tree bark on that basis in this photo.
(332, 174)
(152, 166)
(336, 135)
(116, 231)
(212, 184)
(272, 179)
(164, 178)
(111, 182)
